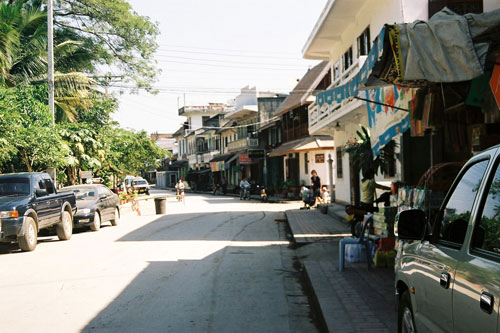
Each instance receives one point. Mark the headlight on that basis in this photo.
(9, 214)
(84, 211)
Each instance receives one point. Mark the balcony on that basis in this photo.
(321, 118)
(241, 144)
(212, 108)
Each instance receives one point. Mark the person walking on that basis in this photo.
(224, 185)
(316, 185)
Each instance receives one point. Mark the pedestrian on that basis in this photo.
(325, 194)
(316, 185)
(180, 191)
(224, 185)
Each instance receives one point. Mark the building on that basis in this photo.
(295, 153)
(344, 35)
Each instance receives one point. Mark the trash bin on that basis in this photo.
(161, 205)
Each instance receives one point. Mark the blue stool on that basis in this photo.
(363, 239)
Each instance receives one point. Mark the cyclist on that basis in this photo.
(244, 188)
(180, 190)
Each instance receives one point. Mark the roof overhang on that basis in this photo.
(306, 144)
(246, 112)
(336, 17)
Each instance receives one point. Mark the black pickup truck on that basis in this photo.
(30, 202)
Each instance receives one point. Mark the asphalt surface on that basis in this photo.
(213, 264)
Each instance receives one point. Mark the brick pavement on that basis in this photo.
(356, 300)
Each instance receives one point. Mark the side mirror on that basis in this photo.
(410, 225)
(41, 193)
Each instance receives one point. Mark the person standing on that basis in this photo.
(368, 188)
(224, 185)
(316, 185)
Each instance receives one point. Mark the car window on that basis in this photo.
(487, 233)
(457, 212)
(49, 185)
(14, 186)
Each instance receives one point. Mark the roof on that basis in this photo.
(178, 132)
(318, 142)
(178, 163)
(303, 88)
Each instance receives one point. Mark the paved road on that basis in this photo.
(216, 264)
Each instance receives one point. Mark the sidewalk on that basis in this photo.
(356, 300)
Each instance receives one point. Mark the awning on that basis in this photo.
(301, 145)
(447, 48)
(236, 155)
(221, 157)
(178, 164)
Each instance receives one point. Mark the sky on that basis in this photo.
(209, 50)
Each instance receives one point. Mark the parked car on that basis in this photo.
(448, 271)
(96, 204)
(140, 185)
(30, 202)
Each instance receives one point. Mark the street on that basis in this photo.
(214, 264)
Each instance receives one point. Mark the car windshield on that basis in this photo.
(83, 193)
(14, 186)
(139, 182)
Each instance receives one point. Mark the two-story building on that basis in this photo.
(343, 35)
(295, 152)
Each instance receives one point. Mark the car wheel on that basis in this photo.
(405, 314)
(116, 218)
(64, 228)
(97, 222)
(27, 242)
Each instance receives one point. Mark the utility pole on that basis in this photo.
(50, 52)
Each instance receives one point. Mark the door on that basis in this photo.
(54, 202)
(104, 201)
(437, 260)
(477, 289)
(42, 203)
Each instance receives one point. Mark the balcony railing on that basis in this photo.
(318, 115)
(242, 144)
(201, 108)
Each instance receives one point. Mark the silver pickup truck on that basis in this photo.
(448, 270)
(30, 202)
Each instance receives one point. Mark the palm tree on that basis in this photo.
(23, 57)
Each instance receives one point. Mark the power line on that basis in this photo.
(228, 50)
(232, 62)
(231, 55)
(228, 66)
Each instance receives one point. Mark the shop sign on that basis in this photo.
(86, 174)
(245, 159)
(495, 81)
(253, 142)
(256, 153)
(320, 158)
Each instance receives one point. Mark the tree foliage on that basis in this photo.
(113, 34)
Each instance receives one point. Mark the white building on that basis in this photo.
(343, 35)
(198, 141)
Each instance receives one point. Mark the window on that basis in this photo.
(487, 233)
(364, 43)
(347, 59)
(340, 173)
(457, 212)
(49, 186)
(336, 71)
(306, 164)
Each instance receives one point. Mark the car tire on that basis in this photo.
(28, 241)
(406, 322)
(97, 222)
(64, 228)
(116, 218)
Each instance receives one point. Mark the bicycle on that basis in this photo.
(180, 196)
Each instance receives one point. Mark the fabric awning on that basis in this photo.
(447, 48)
(221, 157)
(305, 144)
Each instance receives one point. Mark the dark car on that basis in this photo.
(140, 185)
(29, 202)
(96, 204)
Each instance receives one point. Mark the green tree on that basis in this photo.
(26, 126)
(113, 34)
